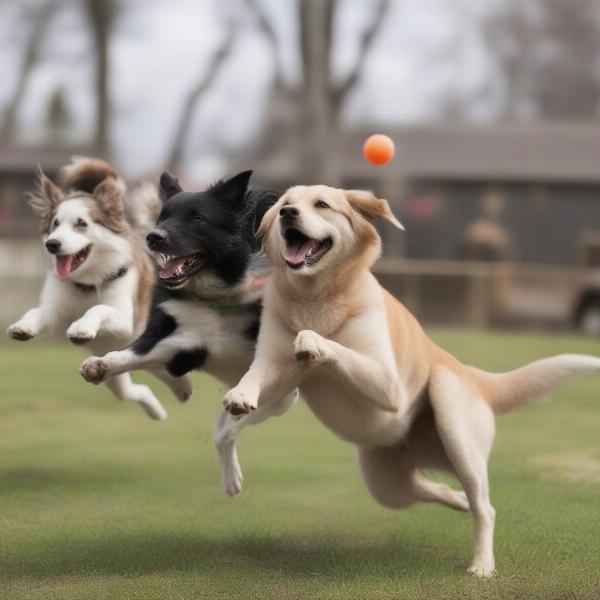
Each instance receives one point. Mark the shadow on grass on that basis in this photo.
(161, 554)
(34, 479)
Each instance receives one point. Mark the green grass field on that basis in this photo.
(97, 501)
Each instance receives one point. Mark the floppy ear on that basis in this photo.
(45, 199)
(109, 199)
(368, 205)
(233, 190)
(268, 219)
(169, 185)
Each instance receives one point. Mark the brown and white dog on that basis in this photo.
(100, 283)
(366, 368)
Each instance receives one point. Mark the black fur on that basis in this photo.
(251, 332)
(159, 326)
(187, 360)
(219, 225)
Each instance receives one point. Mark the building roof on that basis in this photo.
(24, 158)
(558, 152)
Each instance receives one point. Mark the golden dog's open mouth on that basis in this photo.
(300, 250)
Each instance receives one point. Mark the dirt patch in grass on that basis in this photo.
(576, 467)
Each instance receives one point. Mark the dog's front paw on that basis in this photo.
(237, 403)
(80, 333)
(94, 370)
(309, 347)
(482, 569)
(21, 331)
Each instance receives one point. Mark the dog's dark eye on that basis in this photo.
(321, 204)
(81, 224)
(55, 224)
(198, 218)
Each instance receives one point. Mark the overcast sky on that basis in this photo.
(428, 51)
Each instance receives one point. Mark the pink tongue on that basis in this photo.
(296, 253)
(63, 265)
(173, 268)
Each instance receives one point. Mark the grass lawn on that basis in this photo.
(97, 501)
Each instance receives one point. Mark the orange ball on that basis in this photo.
(379, 149)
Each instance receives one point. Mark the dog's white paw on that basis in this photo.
(94, 370)
(309, 347)
(80, 333)
(232, 479)
(482, 569)
(237, 403)
(21, 331)
(153, 408)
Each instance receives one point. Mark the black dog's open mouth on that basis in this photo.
(67, 263)
(301, 250)
(176, 269)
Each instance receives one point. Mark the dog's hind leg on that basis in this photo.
(124, 389)
(180, 386)
(465, 423)
(227, 429)
(393, 480)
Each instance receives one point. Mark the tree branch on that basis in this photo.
(339, 92)
(200, 88)
(101, 14)
(266, 28)
(41, 20)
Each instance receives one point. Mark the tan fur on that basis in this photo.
(142, 206)
(369, 372)
(84, 174)
(45, 199)
(108, 209)
(366, 203)
(143, 294)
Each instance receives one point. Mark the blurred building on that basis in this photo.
(537, 186)
(18, 164)
(523, 198)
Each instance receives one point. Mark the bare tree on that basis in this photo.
(546, 53)
(200, 88)
(307, 114)
(568, 85)
(319, 98)
(40, 20)
(101, 15)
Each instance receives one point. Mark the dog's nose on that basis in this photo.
(155, 237)
(288, 212)
(53, 246)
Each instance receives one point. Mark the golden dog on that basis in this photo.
(366, 368)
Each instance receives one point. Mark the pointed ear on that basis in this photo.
(268, 219)
(45, 199)
(233, 190)
(109, 200)
(169, 186)
(371, 207)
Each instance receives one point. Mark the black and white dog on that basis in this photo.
(207, 301)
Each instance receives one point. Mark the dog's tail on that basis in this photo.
(142, 206)
(84, 174)
(142, 202)
(507, 391)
